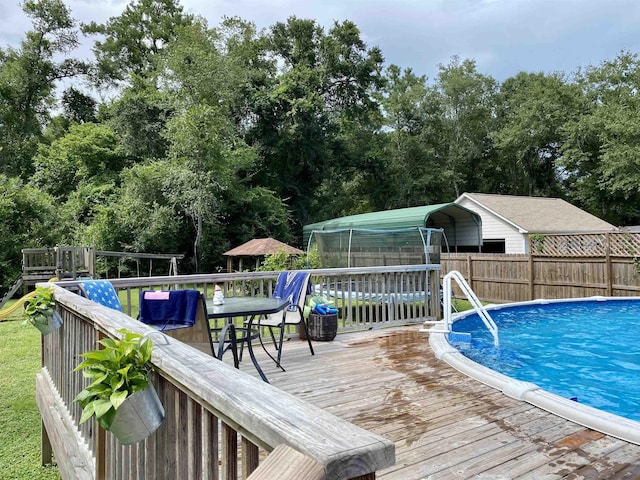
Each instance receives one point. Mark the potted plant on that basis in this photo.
(39, 310)
(120, 395)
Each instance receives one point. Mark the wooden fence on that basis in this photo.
(219, 423)
(559, 266)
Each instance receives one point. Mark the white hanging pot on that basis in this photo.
(138, 417)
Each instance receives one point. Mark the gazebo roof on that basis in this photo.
(260, 247)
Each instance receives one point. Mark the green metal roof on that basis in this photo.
(424, 216)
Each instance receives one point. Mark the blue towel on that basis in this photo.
(102, 292)
(179, 309)
(289, 285)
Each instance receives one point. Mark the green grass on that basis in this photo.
(19, 415)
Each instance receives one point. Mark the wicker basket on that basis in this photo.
(323, 328)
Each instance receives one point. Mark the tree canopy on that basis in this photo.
(181, 137)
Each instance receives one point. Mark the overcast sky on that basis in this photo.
(504, 37)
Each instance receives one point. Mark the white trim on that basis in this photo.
(495, 214)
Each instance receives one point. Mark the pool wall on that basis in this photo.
(590, 417)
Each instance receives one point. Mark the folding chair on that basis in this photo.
(294, 286)
(102, 292)
(182, 314)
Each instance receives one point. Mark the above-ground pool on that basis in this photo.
(579, 359)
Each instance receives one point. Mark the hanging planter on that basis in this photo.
(120, 395)
(139, 416)
(39, 311)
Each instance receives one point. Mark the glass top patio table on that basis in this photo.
(252, 308)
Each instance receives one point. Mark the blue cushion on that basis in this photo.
(102, 292)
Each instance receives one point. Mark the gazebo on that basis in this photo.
(258, 248)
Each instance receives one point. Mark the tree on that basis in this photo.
(78, 107)
(138, 117)
(27, 78)
(467, 101)
(414, 117)
(142, 218)
(87, 154)
(326, 81)
(133, 40)
(29, 219)
(200, 153)
(533, 108)
(601, 154)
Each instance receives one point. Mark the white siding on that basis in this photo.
(495, 228)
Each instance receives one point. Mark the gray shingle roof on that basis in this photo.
(540, 214)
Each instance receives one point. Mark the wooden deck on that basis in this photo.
(444, 425)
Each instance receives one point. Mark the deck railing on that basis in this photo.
(367, 297)
(219, 423)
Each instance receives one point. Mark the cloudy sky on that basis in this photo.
(504, 37)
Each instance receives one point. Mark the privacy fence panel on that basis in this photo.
(559, 266)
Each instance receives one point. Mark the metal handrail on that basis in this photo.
(471, 297)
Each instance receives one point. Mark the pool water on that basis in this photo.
(588, 351)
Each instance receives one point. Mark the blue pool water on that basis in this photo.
(584, 350)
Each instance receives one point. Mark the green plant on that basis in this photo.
(117, 371)
(39, 308)
(537, 242)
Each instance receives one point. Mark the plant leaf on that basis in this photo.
(87, 412)
(117, 398)
(102, 406)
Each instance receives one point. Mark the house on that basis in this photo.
(508, 220)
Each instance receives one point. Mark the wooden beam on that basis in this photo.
(72, 455)
(285, 463)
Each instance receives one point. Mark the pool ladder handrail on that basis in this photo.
(471, 297)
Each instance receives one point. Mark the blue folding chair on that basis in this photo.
(293, 286)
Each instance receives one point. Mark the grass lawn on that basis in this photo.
(19, 416)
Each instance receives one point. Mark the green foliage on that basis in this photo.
(78, 107)
(218, 135)
(116, 371)
(29, 219)
(326, 78)
(87, 154)
(27, 77)
(39, 308)
(138, 117)
(131, 42)
(280, 261)
(466, 100)
(533, 108)
(142, 218)
(600, 155)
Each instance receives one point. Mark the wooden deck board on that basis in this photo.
(444, 425)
